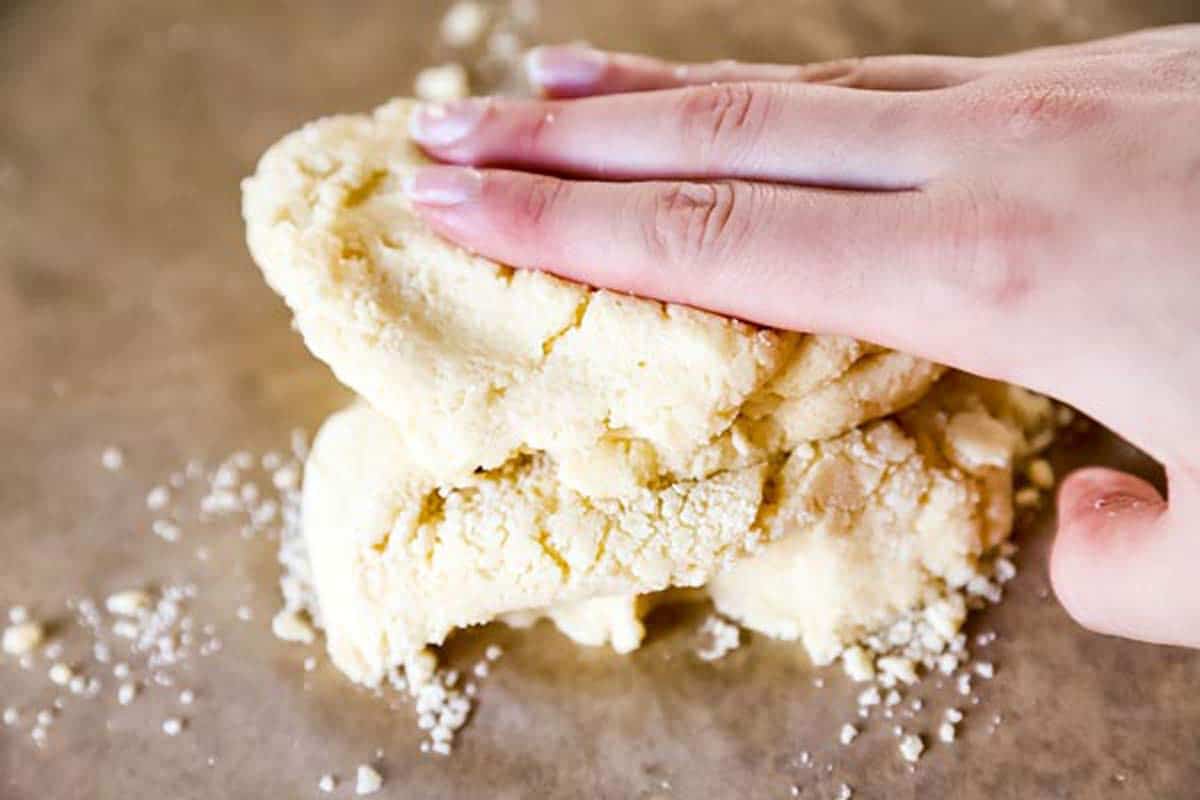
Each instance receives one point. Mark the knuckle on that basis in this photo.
(688, 221)
(718, 120)
(993, 248)
(541, 196)
(531, 139)
(842, 72)
(1046, 108)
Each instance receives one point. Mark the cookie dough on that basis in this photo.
(400, 561)
(865, 526)
(528, 446)
(477, 363)
(885, 519)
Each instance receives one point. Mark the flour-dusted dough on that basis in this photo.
(530, 446)
(886, 519)
(476, 363)
(866, 526)
(399, 561)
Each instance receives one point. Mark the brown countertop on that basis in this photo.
(130, 314)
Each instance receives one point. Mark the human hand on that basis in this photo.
(1032, 217)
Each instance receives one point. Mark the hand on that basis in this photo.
(1032, 217)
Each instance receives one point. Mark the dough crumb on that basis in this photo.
(1041, 474)
(369, 781)
(911, 747)
(112, 459)
(291, 627)
(22, 638)
(128, 603)
(464, 23)
(721, 638)
(442, 83)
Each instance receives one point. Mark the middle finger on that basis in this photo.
(779, 132)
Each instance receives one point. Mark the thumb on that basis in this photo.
(1124, 562)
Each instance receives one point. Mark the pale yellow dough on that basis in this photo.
(475, 362)
(866, 526)
(532, 446)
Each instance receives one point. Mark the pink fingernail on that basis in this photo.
(565, 66)
(441, 124)
(443, 186)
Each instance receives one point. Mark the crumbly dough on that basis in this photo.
(477, 363)
(865, 526)
(399, 561)
(885, 519)
(531, 446)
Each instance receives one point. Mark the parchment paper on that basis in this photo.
(130, 314)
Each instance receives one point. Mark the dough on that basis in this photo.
(866, 526)
(477, 363)
(531, 446)
(399, 561)
(886, 519)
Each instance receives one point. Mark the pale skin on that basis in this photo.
(1033, 217)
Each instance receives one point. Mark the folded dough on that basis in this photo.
(528, 445)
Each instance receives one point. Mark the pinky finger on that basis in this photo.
(571, 71)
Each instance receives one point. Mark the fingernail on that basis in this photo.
(443, 186)
(441, 124)
(566, 65)
(1115, 504)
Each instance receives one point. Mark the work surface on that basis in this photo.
(131, 315)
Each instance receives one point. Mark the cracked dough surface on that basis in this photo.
(476, 363)
(528, 445)
(861, 528)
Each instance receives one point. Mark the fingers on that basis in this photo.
(796, 258)
(571, 71)
(780, 132)
(1123, 562)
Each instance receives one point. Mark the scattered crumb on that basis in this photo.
(128, 603)
(1028, 497)
(464, 23)
(1040, 473)
(22, 638)
(845, 792)
(722, 638)
(857, 664)
(903, 669)
(291, 627)
(946, 732)
(911, 747)
(172, 726)
(327, 783)
(442, 83)
(112, 459)
(158, 498)
(60, 674)
(126, 692)
(847, 734)
(369, 781)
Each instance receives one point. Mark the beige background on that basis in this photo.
(131, 314)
